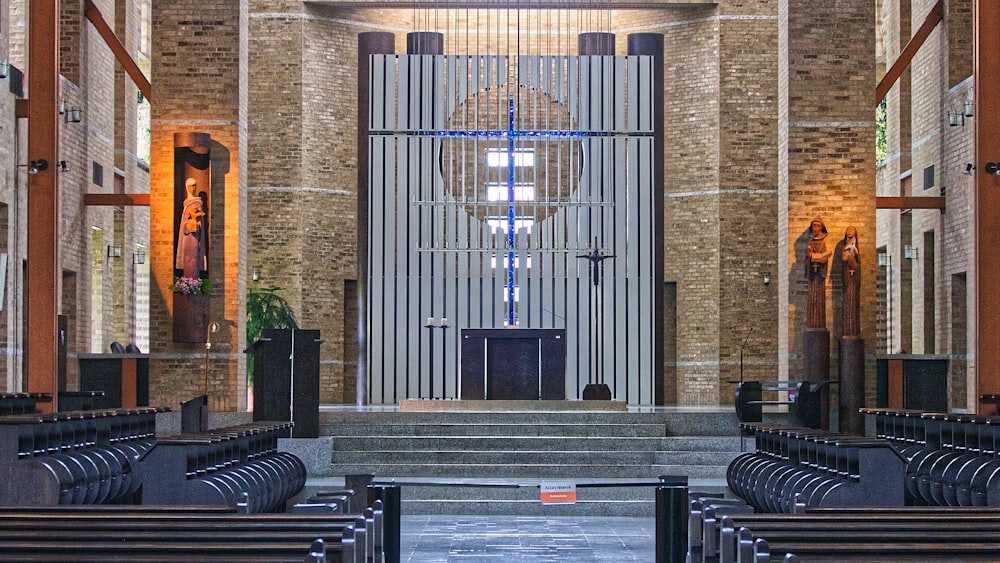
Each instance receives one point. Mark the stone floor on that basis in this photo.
(535, 539)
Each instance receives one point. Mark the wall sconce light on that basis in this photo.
(956, 118)
(969, 106)
(969, 167)
(992, 168)
(909, 252)
(139, 257)
(4, 69)
(74, 115)
(255, 276)
(114, 251)
(62, 106)
(883, 259)
(37, 166)
(63, 167)
(766, 278)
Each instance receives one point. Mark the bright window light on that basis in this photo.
(500, 223)
(517, 294)
(496, 191)
(517, 262)
(497, 158)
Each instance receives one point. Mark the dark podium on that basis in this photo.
(286, 379)
(513, 364)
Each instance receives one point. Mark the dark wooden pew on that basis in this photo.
(862, 535)
(144, 534)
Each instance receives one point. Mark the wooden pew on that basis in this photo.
(144, 534)
(863, 535)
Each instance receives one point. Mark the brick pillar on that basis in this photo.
(200, 64)
(826, 159)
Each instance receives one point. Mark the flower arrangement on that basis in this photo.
(190, 286)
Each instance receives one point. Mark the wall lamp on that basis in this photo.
(37, 166)
(909, 252)
(139, 257)
(956, 118)
(766, 278)
(992, 168)
(114, 251)
(63, 167)
(255, 276)
(969, 167)
(4, 69)
(70, 115)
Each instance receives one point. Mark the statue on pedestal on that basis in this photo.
(851, 262)
(817, 264)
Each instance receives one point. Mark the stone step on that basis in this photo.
(538, 471)
(497, 429)
(531, 457)
(697, 422)
(422, 495)
(532, 443)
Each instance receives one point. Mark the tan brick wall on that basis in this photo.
(827, 158)
(200, 85)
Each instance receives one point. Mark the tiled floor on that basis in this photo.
(535, 539)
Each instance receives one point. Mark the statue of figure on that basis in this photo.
(191, 234)
(851, 262)
(817, 261)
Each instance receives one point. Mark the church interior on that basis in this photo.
(472, 249)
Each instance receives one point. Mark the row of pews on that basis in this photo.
(100, 485)
(925, 487)
(144, 533)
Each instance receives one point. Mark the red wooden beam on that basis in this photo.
(986, 81)
(121, 54)
(909, 202)
(896, 70)
(43, 268)
(117, 199)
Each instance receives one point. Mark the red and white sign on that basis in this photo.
(558, 492)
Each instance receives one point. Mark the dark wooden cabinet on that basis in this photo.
(513, 364)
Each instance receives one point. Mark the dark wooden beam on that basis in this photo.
(123, 200)
(986, 81)
(121, 54)
(43, 268)
(909, 202)
(906, 55)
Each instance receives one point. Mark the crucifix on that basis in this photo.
(596, 258)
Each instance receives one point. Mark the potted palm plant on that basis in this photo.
(265, 309)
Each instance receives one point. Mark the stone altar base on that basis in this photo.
(424, 405)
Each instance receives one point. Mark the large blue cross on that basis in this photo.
(512, 134)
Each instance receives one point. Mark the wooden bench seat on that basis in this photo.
(862, 535)
(136, 534)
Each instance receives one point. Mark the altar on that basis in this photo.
(513, 364)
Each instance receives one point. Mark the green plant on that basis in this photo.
(881, 147)
(191, 286)
(266, 309)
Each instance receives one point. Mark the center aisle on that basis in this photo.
(579, 539)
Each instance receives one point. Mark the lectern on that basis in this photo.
(286, 379)
(513, 364)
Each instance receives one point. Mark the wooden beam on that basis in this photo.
(122, 200)
(906, 55)
(121, 54)
(986, 80)
(43, 268)
(909, 202)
